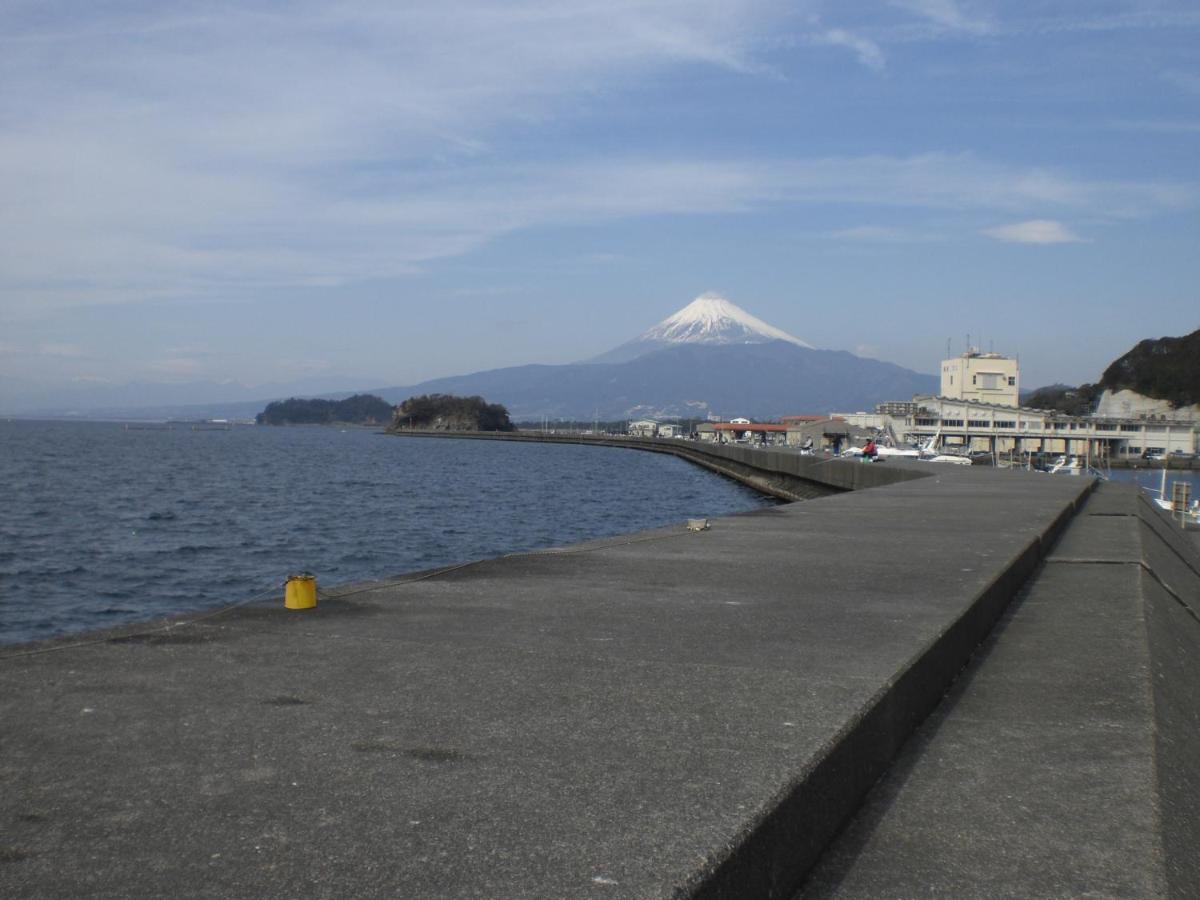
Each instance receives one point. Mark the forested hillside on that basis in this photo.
(361, 409)
(1165, 369)
(445, 412)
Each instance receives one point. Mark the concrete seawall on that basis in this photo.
(662, 714)
(778, 473)
(1066, 761)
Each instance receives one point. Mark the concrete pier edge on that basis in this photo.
(774, 849)
(774, 854)
(1068, 751)
(774, 857)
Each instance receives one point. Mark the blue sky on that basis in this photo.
(371, 193)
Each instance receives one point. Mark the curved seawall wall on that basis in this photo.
(779, 473)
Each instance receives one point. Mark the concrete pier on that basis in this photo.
(1066, 761)
(671, 713)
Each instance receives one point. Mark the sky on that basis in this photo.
(358, 194)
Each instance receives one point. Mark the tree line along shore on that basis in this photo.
(428, 412)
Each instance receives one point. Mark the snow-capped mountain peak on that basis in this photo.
(711, 319)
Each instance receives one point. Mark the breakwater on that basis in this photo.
(783, 474)
(661, 714)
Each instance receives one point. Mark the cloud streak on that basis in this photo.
(240, 233)
(869, 53)
(209, 152)
(1035, 231)
(947, 14)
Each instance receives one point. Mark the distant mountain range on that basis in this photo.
(711, 357)
(758, 380)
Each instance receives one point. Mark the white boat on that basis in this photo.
(1073, 465)
(1189, 516)
(952, 458)
(909, 452)
(930, 452)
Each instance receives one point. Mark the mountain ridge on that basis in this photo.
(690, 380)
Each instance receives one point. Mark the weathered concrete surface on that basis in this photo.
(1066, 762)
(670, 712)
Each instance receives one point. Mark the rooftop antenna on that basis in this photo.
(947, 348)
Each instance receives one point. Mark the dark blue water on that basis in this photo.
(100, 526)
(1151, 479)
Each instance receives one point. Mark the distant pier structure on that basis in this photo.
(1001, 428)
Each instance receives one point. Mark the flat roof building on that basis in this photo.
(982, 377)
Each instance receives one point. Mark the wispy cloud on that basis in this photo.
(148, 154)
(239, 233)
(866, 50)
(1156, 126)
(938, 20)
(61, 349)
(1035, 231)
(880, 234)
(947, 14)
(147, 151)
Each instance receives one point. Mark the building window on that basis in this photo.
(978, 423)
(926, 423)
(952, 423)
(1006, 424)
(1131, 427)
(1012, 381)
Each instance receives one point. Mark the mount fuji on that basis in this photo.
(711, 357)
(710, 319)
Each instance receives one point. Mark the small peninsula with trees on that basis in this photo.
(445, 412)
(361, 409)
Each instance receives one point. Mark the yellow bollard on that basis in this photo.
(300, 591)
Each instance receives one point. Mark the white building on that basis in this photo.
(982, 377)
(1001, 428)
(643, 428)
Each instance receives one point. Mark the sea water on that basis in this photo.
(1150, 478)
(100, 525)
